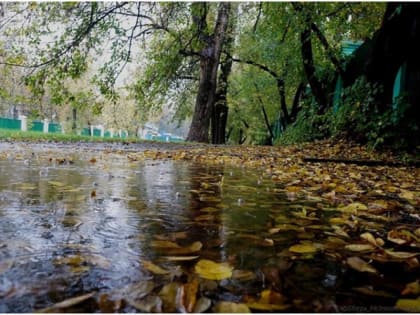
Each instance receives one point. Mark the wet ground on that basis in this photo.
(84, 221)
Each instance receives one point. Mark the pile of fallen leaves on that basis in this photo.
(373, 196)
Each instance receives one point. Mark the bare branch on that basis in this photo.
(254, 29)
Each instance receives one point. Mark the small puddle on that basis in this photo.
(124, 231)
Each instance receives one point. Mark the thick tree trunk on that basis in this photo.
(209, 63)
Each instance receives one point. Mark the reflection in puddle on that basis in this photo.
(71, 229)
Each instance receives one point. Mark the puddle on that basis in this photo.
(125, 231)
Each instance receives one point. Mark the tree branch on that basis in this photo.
(74, 43)
(328, 49)
(267, 122)
(254, 29)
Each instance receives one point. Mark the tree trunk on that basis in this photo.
(309, 68)
(308, 60)
(283, 105)
(209, 63)
(221, 109)
(74, 125)
(295, 105)
(219, 121)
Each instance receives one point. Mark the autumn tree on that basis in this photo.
(114, 30)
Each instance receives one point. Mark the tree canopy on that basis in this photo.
(269, 66)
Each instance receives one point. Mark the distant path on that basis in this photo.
(96, 146)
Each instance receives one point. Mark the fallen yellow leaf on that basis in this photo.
(148, 265)
(412, 288)
(230, 307)
(400, 255)
(409, 305)
(353, 207)
(211, 270)
(359, 264)
(359, 247)
(370, 238)
(303, 248)
(180, 258)
(269, 301)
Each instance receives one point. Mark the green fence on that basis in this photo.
(8, 123)
(37, 126)
(54, 127)
(96, 132)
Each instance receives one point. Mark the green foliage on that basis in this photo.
(360, 117)
(308, 126)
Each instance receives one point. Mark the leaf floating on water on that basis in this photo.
(412, 288)
(211, 270)
(67, 303)
(169, 294)
(148, 265)
(269, 301)
(180, 258)
(409, 305)
(359, 247)
(230, 307)
(359, 264)
(202, 305)
(400, 255)
(304, 248)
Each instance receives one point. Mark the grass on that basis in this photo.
(17, 135)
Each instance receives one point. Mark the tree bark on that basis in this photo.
(295, 105)
(221, 109)
(209, 63)
(309, 68)
(308, 61)
(74, 126)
